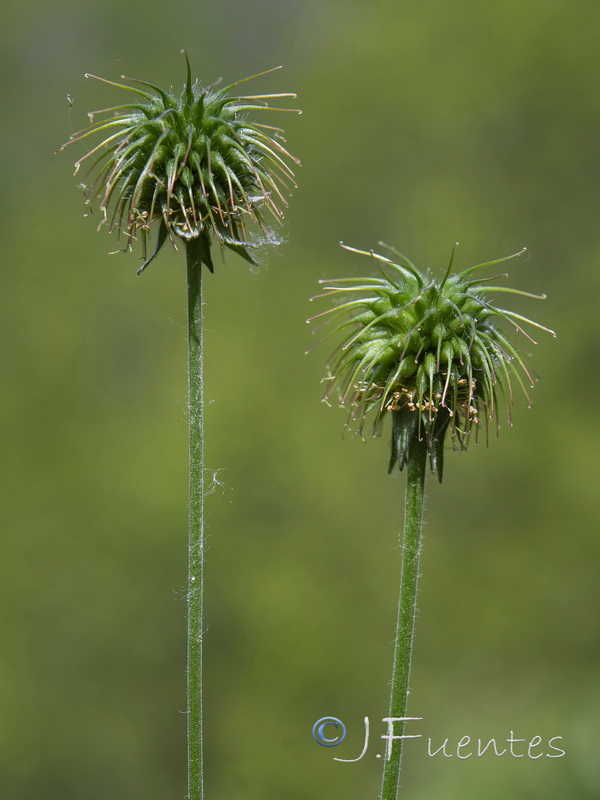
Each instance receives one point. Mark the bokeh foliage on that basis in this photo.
(424, 123)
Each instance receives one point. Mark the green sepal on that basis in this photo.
(404, 428)
(198, 251)
(242, 251)
(160, 240)
(435, 444)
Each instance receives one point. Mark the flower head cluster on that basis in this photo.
(429, 352)
(192, 163)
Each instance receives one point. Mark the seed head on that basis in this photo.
(192, 163)
(431, 353)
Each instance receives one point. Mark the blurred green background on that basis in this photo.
(424, 123)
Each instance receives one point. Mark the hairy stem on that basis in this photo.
(196, 527)
(411, 547)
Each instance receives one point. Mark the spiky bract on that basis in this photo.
(193, 163)
(430, 352)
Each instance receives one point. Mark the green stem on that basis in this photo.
(196, 527)
(411, 547)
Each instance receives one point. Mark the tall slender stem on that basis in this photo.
(196, 527)
(411, 548)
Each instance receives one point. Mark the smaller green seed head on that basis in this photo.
(192, 163)
(430, 353)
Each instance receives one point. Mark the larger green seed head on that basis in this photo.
(193, 163)
(430, 353)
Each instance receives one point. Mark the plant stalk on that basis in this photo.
(407, 606)
(195, 585)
